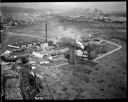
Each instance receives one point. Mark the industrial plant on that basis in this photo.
(54, 56)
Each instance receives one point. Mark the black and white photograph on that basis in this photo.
(63, 50)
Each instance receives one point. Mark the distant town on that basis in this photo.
(10, 16)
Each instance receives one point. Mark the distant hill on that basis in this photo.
(117, 14)
(5, 9)
(83, 12)
(72, 12)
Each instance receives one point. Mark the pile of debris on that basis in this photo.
(17, 67)
(22, 64)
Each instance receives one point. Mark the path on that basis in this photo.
(110, 52)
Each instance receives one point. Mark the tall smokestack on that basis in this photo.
(46, 30)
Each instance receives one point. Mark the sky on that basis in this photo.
(105, 6)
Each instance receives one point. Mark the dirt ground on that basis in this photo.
(106, 80)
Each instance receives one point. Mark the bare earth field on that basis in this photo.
(106, 80)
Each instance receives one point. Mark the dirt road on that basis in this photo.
(110, 52)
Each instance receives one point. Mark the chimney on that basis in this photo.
(46, 31)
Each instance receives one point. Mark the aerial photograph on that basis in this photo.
(63, 50)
